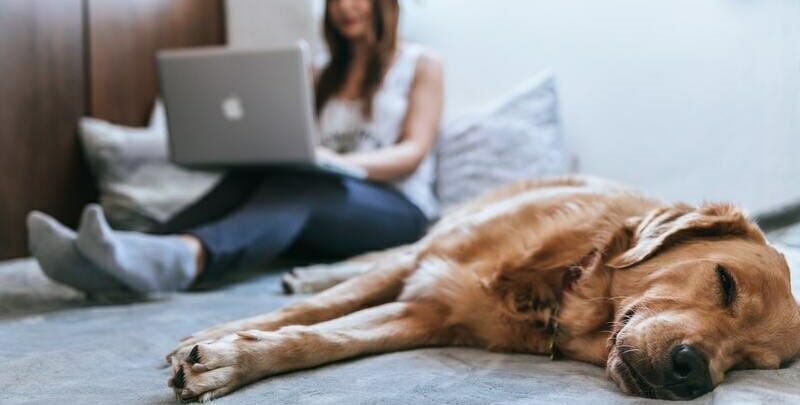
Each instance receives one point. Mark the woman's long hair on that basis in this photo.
(382, 41)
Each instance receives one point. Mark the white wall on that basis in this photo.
(687, 99)
(267, 23)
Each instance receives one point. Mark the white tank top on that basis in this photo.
(344, 129)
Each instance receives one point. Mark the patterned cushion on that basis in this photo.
(518, 138)
(139, 187)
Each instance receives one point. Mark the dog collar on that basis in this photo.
(555, 353)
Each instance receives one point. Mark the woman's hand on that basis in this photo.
(325, 155)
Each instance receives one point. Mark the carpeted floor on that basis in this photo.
(56, 346)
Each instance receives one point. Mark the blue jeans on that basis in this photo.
(250, 218)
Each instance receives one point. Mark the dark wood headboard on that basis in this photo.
(63, 59)
(124, 31)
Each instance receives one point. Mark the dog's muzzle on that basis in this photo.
(684, 374)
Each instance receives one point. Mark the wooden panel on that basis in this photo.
(61, 59)
(41, 98)
(124, 36)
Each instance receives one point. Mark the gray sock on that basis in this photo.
(53, 246)
(146, 263)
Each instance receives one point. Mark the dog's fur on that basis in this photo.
(580, 267)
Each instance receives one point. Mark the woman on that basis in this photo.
(378, 102)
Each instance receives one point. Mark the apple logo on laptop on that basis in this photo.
(232, 108)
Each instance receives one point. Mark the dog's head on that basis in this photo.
(703, 293)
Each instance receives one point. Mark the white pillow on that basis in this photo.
(520, 137)
(139, 188)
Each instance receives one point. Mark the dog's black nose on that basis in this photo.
(687, 375)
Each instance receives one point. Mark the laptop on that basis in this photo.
(242, 108)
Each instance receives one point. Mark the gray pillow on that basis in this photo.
(139, 188)
(518, 138)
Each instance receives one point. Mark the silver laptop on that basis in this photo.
(230, 108)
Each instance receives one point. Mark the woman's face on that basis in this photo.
(352, 18)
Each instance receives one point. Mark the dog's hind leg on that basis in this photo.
(380, 285)
(320, 277)
(219, 367)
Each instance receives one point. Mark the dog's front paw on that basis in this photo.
(204, 336)
(212, 369)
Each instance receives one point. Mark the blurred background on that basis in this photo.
(685, 99)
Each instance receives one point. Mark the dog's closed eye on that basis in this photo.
(727, 286)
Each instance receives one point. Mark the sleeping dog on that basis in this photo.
(666, 297)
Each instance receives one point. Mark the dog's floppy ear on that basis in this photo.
(666, 225)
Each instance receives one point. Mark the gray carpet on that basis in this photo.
(56, 346)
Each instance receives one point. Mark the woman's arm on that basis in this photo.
(419, 130)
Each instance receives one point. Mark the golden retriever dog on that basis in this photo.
(666, 297)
